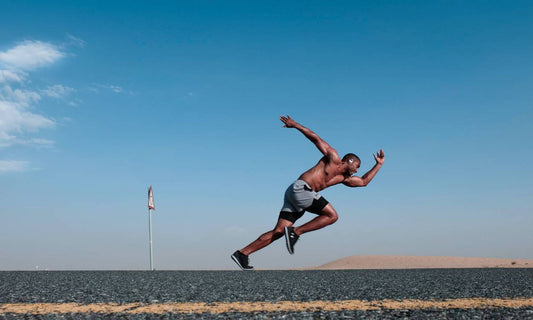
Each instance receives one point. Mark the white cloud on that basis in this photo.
(18, 102)
(30, 55)
(15, 119)
(57, 91)
(10, 76)
(22, 98)
(13, 166)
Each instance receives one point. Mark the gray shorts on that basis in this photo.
(299, 198)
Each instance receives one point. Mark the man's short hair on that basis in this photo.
(350, 157)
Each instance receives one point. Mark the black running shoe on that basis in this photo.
(241, 260)
(290, 239)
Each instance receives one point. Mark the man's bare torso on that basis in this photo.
(327, 172)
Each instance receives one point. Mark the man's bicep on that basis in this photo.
(354, 182)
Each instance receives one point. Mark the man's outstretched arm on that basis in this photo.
(322, 145)
(367, 177)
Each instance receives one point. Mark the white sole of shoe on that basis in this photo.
(239, 264)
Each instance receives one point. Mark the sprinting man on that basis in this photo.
(303, 195)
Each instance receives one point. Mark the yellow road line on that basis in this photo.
(246, 307)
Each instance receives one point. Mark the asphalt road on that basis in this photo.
(212, 287)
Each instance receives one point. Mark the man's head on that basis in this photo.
(352, 161)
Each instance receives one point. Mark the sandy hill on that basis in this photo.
(421, 262)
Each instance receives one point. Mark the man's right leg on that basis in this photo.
(268, 237)
(327, 216)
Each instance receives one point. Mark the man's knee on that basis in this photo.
(334, 217)
(331, 213)
(278, 231)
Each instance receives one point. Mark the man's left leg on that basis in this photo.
(241, 256)
(267, 238)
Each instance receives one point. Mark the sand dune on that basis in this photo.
(422, 262)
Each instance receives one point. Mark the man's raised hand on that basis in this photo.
(287, 122)
(379, 156)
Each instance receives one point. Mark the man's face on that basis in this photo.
(354, 166)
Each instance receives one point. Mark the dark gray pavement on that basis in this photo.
(226, 286)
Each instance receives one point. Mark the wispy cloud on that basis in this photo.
(116, 89)
(15, 120)
(107, 87)
(57, 91)
(18, 102)
(13, 166)
(38, 142)
(20, 119)
(30, 55)
(19, 97)
(10, 76)
(76, 41)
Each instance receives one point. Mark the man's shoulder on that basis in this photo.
(333, 157)
(332, 152)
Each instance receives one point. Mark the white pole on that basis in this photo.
(150, 227)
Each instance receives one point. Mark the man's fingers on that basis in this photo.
(287, 121)
(284, 120)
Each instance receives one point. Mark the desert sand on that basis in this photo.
(422, 262)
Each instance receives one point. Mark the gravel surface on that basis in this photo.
(382, 314)
(225, 286)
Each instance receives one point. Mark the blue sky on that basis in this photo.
(100, 100)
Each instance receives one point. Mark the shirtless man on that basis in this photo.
(303, 195)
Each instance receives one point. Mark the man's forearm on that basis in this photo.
(308, 133)
(367, 177)
(322, 146)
